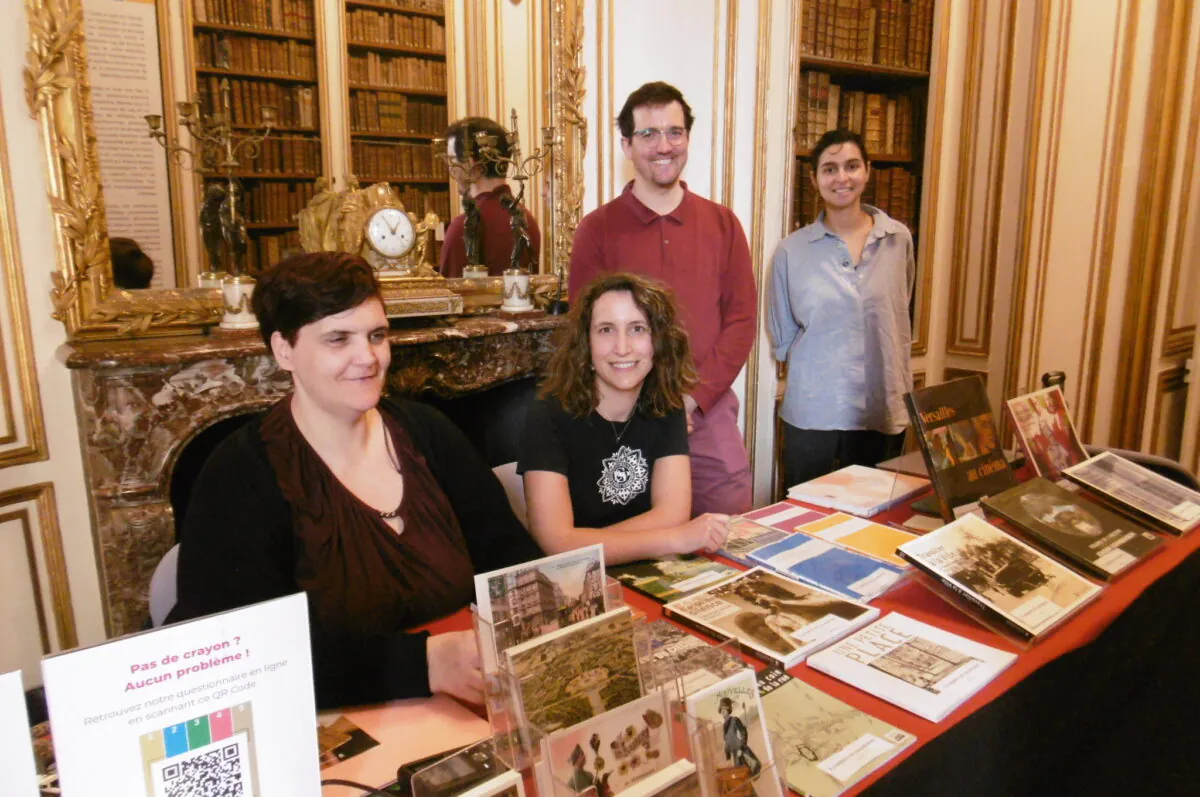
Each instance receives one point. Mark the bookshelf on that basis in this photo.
(397, 97)
(864, 65)
(268, 52)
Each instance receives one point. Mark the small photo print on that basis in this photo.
(341, 740)
(208, 755)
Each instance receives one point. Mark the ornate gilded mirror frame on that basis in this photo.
(58, 94)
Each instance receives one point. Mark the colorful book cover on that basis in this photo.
(916, 666)
(872, 539)
(772, 616)
(848, 573)
(1149, 496)
(830, 745)
(858, 490)
(1045, 431)
(784, 516)
(1100, 542)
(747, 536)
(958, 437)
(729, 730)
(672, 577)
(1013, 584)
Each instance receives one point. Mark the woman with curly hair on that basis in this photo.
(605, 456)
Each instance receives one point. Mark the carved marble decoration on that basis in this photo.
(141, 402)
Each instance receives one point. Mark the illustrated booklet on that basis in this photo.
(957, 434)
(1045, 431)
(873, 539)
(784, 515)
(684, 660)
(828, 745)
(672, 577)
(575, 673)
(823, 564)
(519, 603)
(1100, 543)
(747, 536)
(221, 705)
(1007, 583)
(18, 774)
(916, 666)
(730, 740)
(858, 490)
(772, 616)
(1141, 492)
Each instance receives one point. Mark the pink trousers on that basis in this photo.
(720, 468)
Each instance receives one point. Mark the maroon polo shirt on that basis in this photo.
(496, 234)
(700, 250)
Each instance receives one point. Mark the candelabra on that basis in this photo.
(216, 150)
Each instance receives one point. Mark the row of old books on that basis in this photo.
(397, 30)
(895, 33)
(893, 189)
(290, 16)
(431, 6)
(402, 72)
(266, 250)
(424, 200)
(273, 202)
(885, 121)
(286, 155)
(391, 112)
(394, 160)
(296, 105)
(253, 54)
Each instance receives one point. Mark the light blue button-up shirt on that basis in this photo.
(844, 330)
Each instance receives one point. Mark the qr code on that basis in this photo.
(213, 772)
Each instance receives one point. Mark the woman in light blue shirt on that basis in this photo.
(838, 315)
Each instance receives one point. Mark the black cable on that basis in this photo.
(371, 790)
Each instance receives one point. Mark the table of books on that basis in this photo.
(1072, 709)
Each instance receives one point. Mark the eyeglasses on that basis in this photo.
(652, 135)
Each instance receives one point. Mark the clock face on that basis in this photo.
(390, 232)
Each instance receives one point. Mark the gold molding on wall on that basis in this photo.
(42, 496)
(33, 448)
(730, 100)
(1173, 380)
(1172, 25)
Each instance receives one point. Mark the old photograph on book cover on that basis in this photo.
(578, 672)
(773, 615)
(728, 727)
(1025, 586)
(826, 744)
(672, 577)
(747, 536)
(1098, 541)
(1165, 503)
(1045, 431)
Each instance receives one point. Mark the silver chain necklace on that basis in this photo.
(624, 429)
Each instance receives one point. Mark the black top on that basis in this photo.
(239, 546)
(609, 478)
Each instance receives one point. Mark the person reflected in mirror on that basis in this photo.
(132, 269)
(838, 315)
(378, 508)
(605, 454)
(485, 183)
(662, 230)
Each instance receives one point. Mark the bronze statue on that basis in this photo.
(472, 239)
(210, 224)
(520, 233)
(233, 228)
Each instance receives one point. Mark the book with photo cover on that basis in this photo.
(1101, 543)
(1045, 431)
(957, 434)
(1139, 491)
(873, 539)
(572, 674)
(858, 490)
(527, 600)
(747, 536)
(672, 577)
(772, 616)
(727, 726)
(848, 573)
(915, 666)
(678, 657)
(1012, 585)
(784, 515)
(830, 745)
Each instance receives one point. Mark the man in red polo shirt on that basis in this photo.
(485, 182)
(658, 228)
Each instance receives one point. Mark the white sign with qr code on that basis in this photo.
(222, 769)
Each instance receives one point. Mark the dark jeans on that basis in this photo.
(809, 453)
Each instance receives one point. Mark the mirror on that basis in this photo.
(110, 179)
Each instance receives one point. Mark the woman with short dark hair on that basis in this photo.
(380, 511)
(605, 454)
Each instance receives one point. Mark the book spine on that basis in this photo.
(971, 602)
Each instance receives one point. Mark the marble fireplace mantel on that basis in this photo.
(140, 402)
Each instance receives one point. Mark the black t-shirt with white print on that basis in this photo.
(609, 479)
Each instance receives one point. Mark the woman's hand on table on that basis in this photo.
(704, 533)
(454, 666)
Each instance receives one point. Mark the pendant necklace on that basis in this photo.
(395, 513)
(624, 428)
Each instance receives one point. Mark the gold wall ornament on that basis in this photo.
(59, 97)
(567, 117)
